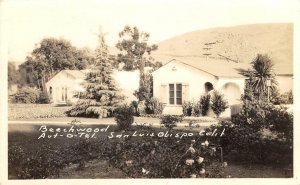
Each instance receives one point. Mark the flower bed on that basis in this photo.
(137, 157)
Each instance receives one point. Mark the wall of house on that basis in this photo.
(285, 83)
(63, 80)
(232, 88)
(192, 81)
(128, 82)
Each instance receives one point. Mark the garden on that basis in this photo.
(252, 140)
(259, 135)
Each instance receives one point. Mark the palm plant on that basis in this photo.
(260, 77)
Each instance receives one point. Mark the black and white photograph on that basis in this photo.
(148, 90)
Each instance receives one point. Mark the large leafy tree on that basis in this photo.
(101, 96)
(51, 56)
(260, 77)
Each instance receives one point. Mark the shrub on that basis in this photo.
(204, 104)
(43, 98)
(287, 98)
(165, 158)
(219, 104)
(187, 108)
(260, 133)
(141, 107)
(134, 104)
(197, 109)
(153, 106)
(69, 102)
(190, 108)
(124, 117)
(90, 108)
(26, 95)
(170, 121)
(146, 157)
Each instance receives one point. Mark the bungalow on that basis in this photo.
(63, 87)
(189, 78)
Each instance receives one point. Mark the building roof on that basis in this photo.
(77, 74)
(214, 66)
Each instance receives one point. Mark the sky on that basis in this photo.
(27, 22)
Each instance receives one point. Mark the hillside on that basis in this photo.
(240, 43)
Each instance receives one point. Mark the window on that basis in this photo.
(175, 94)
(171, 94)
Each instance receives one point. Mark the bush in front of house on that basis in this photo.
(204, 104)
(153, 106)
(170, 121)
(150, 106)
(134, 104)
(187, 108)
(190, 108)
(44, 98)
(26, 95)
(141, 107)
(219, 104)
(124, 116)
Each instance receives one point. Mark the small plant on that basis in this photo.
(124, 117)
(170, 121)
(204, 104)
(219, 104)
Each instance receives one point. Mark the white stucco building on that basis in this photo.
(64, 85)
(186, 80)
(67, 83)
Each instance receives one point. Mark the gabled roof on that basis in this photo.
(214, 66)
(77, 74)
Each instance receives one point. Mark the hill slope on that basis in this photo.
(240, 43)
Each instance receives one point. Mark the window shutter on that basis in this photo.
(185, 92)
(163, 93)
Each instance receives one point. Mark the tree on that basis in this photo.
(13, 75)
(101, 96)
(134, 44)
(219, 104)
(50, 57)
(259, 76)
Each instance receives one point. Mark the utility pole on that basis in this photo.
(207, 47)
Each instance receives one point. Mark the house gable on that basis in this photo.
(192, 80)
